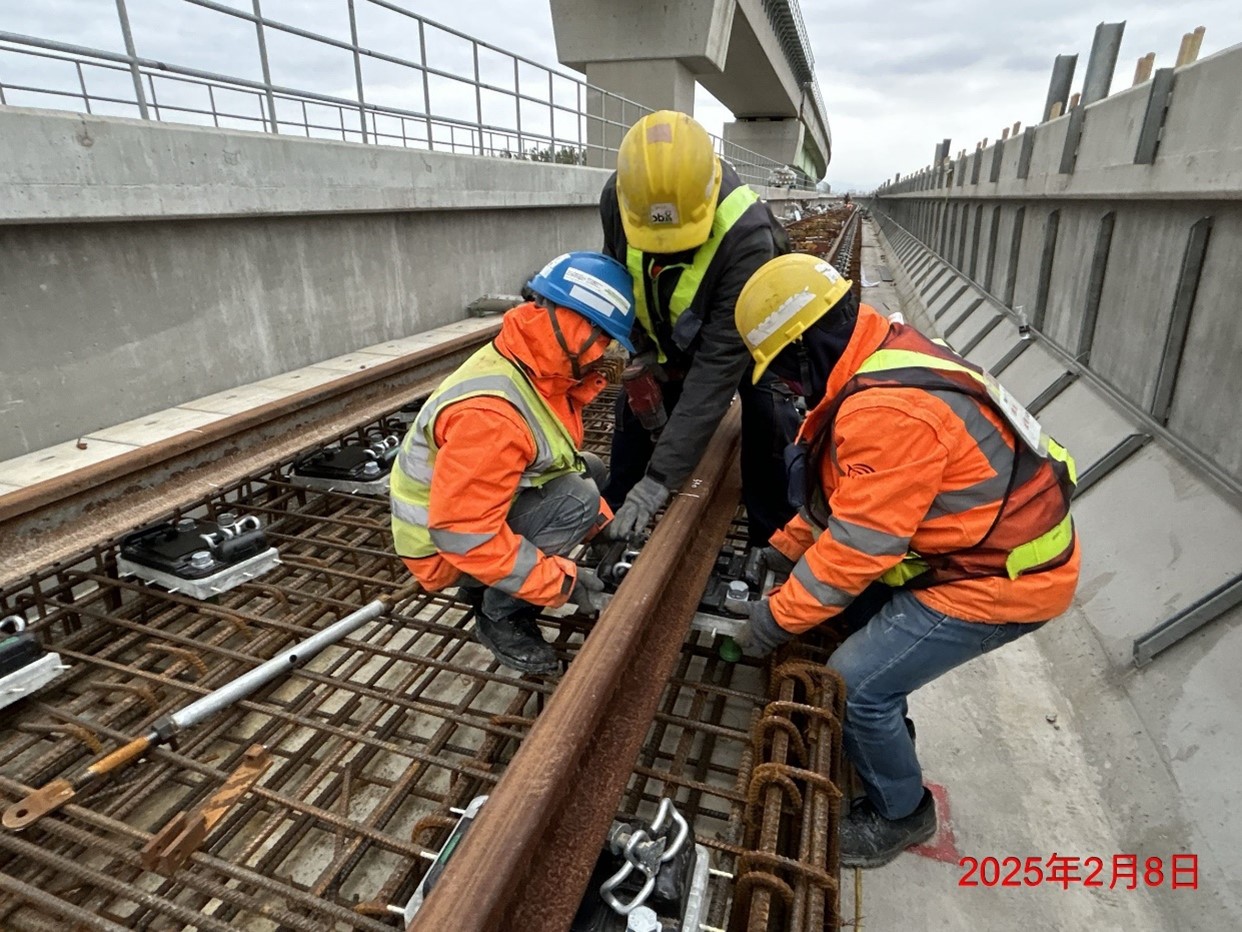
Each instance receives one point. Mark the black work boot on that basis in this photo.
(516, 641)
(472, 596)
(870, 840)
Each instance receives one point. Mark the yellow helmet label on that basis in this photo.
(665, 213)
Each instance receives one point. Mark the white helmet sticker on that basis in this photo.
(664, 214)
(779, 317)
(547, 269)
(599, 289)
(593, 300)
(826, 270)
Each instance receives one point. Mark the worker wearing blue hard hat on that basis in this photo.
(491, 489)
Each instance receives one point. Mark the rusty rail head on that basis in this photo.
(509, 839)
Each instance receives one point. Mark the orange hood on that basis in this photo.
(526, 337)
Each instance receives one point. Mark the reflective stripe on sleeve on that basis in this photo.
(457, 542)
(866, 540)
(822, 592)
(528, 556)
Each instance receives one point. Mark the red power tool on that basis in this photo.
(644, 396)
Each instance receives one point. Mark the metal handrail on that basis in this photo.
(544, 126)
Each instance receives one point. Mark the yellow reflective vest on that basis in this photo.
(486, 372)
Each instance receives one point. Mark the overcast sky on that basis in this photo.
(896, 78)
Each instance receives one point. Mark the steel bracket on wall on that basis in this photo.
(1110, 461)
(1007, 360)
(1188, 620)
(1153, 120)
(1041, 401)
(1073, 136)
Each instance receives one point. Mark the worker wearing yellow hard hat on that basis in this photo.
(691, 234)
(921, 473)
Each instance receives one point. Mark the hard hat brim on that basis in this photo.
(760, 368)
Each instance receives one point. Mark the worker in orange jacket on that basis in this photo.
(917, 470)
(491, 489)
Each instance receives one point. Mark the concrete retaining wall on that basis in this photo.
(1127, 274)
(1128, 267)
(144, 264)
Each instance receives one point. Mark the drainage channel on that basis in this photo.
(378, 739)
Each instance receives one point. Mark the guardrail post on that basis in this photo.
(353, 36)
(128, 35)
(267, 71)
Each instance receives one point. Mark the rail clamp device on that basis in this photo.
(24, 665)
(650, 877)
(199, 557)
(356, 468)
(464, 821)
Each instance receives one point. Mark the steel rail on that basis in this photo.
(546, 819)
(27, 499)
(50, 520)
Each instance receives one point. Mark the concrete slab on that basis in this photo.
(402, 346)
(418, 341)
(948, 305)
(352, 362)
(979, 318)
(953, 303)
(298, 380)
(1031, 373)
(236, 400)
(995, 345)
(157, 426)
(53, 461)
(1017, 786)
(1179, 541)
(1189, 697)
(1085, 423)
(882, 295)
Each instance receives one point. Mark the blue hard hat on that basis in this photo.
(594, 285)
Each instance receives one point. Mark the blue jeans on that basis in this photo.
(905, 645)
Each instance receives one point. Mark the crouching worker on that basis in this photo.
(490, 489)
(920, 472)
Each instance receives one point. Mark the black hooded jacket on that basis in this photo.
(714, 359)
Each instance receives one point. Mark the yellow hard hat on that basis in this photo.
(668, 179)
(781, 302)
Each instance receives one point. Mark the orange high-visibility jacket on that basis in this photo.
(903, 472)
(484, 445)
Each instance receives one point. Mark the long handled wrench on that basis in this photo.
(52, 796)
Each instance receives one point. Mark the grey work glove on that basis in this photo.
(762, 634)
(640, 505)
(587, 593)
(776, 561)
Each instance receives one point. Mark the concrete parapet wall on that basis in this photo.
(1157, 516)
(144, 264)
(1127, 267)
